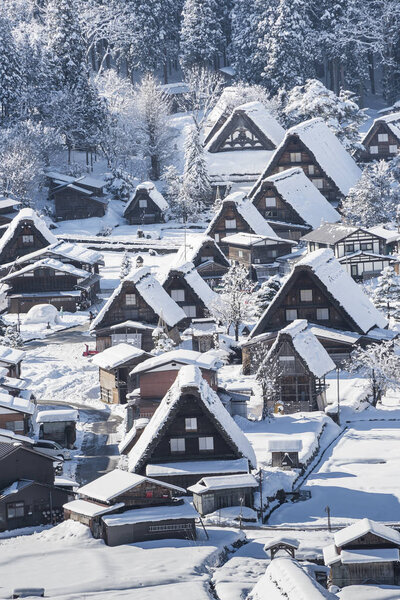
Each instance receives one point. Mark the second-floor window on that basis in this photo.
(373, 149)
(306, 295)
(206, 443)
(130, 299)
(191, 424)
(291, 314)
(366, 246)
(177, 444)
(230, 223)
(322, 314)
(27, 239)
(295, 157)
(383, 137)
(178, 295)
(143, 203)
(393, 149)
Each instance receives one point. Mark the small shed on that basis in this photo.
(205, 334)
(213, 493)
(281, 544)
(76, 197)
(152, 523)
(58, 425)
(16, 412)
(115, 365)
(285, 452)
(147, 205)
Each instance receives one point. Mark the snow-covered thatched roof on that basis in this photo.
(307, 346)
(49, 263)
(154, 194)
(152, 293)
(306, 200)
(392, 121)
(190, 379)
(203, 360)
(285, 579)
(327, 151)
(221, 482)
(194, 244)
(200, 287)
(68, 250)
(248, 212)
(27, 214)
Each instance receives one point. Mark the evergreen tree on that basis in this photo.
(126, 265)
(288, 47)
(267, 293)
(11, 338)
(196, 183)
(201, 36)
(10, 77)
(162, 341)
(386, 295)
(374, 198)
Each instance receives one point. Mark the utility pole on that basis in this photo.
(338, 394)
(328, 512)
(261, 498)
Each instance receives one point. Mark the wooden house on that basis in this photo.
(238, 152)
(292, 205)
(147, 205)
(382, 140)
(258, 253)
(286, 577)
(8, 210)
(320, 291)
(207, 257)
(128, 332)
(11, 359)
(141, 508)
(391, 237)
(50, 281)
(314, 147)
(223, 108)
(190, 431)
(187, 288)
(156, 375)
(16, 412)
(360, 251)
(302, 363)
(237, 215)
(205, 334)
(138, 302)
(26, 233)
(76, 197)
(366, 551)
(115, 364)
(28, 496)
(285, 452)
(213, 493)
(58, 425)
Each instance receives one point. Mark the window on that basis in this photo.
(240, 252)
(143, 203)
(130, 299)
(383, 137)
(189, 310)
(373, 149)
(291, 314)
(230, 223)
(287, 359)
(270, 202)
(178, 295)
(177, 444)
(393, 149)
(149, 494)
(271, 254)
(349, 248)
(319, 183)
(191, 424)
(322, 314)
(27, 239)
(295, 157)
(366, 246)
(106, 395)
(134, 339)
(280, 169)
(206, 443)
(15, 510)
(306, 295)
(15, 425)
(311, 169)
(216, 237)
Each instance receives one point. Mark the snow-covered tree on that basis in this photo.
(204, 89)
(162, 341)
(380, 364)
(120, 184)
(386, 295)
(11, 338)
(374, 198)
(126, 265)
(196, 183)
(153, 131)
(289, 46)
(268, 378)
(201, 33)
(341, 113)
(267, 293)
(10, 76)
(235, 303)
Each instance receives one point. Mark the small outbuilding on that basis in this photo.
(213, 493)
(76, 197)
(147, 205)
(281, 544)
(285, 452)
(58, 425)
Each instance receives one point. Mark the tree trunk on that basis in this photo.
(237, 331)
(371, 69)
(155, 168)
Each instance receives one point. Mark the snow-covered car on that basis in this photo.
(52, 449)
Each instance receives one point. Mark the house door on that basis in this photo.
(354, 270)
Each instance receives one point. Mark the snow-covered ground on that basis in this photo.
(76, 565)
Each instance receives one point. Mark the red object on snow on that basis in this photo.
(88, 352)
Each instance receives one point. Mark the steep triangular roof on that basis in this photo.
(69, 250)
(194, 245)
(199, 287)
(361, 528)
(27, 214)
(338, 285)
(154, 195)
(300, 193)
(152, 293)
(191, 381)
(221, 111)
(308, 347)
(327, 151)
(392, 121)
(258, 120)
(248, 212)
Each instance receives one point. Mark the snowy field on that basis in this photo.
(77, 565)
(357, 478)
